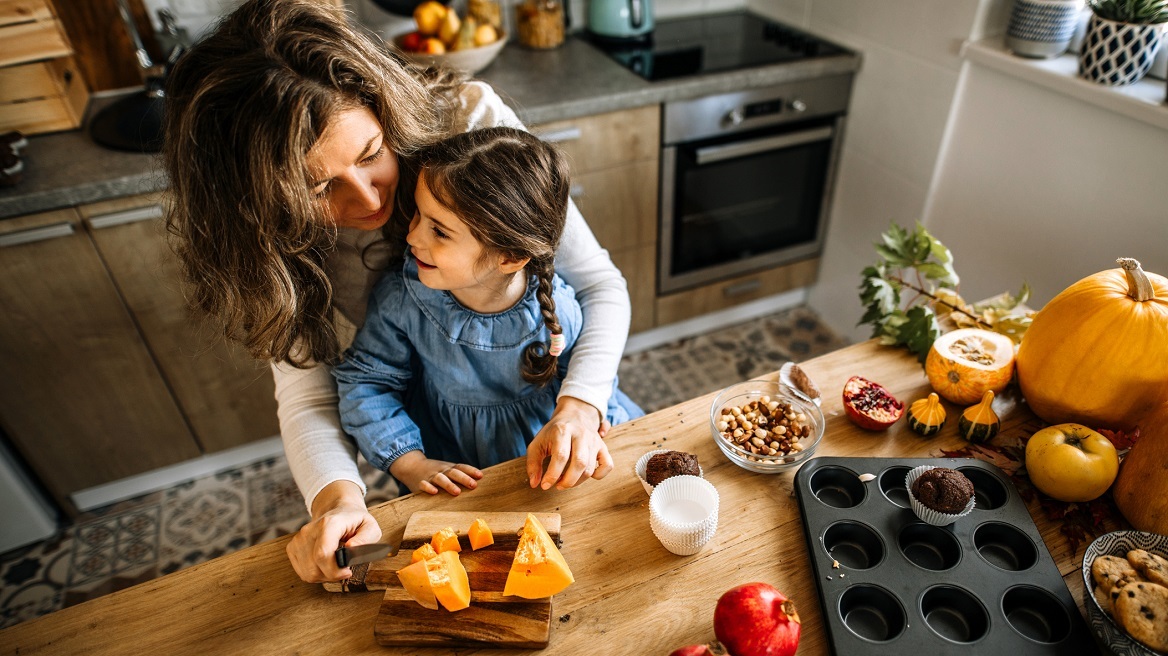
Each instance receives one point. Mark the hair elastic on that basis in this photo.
(557, 346)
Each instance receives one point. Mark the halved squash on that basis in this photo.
(445, 540)
(539, 569)
(441, 579)
(423, 552)
(962, 364)
(480, 535)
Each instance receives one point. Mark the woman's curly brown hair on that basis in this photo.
(244, 106)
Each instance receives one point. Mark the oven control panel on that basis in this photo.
(727, 113)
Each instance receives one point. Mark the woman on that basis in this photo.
(284, 216)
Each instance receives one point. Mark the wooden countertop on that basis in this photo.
(629, 590)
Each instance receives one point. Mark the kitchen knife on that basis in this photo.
(365, 553)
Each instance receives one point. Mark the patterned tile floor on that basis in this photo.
(136, 540)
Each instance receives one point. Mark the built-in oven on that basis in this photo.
(747, 178)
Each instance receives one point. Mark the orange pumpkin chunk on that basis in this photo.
(424, 552)
(445, 540)
(441, 579)
(539, 569)
(480, 535)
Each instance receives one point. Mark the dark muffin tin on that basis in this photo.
(985, 584)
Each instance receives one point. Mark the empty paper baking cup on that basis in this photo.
(642, 467)
(934, 517)
(683, 513)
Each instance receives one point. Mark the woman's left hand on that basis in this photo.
(571, 443)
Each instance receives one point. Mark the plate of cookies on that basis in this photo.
(1125, 582)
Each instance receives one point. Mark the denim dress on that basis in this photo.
(426, 373)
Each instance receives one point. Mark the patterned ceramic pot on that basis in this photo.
(1042, 28)
(1118, 53)
(1118, 543)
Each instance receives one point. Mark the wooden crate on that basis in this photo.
(41, 89)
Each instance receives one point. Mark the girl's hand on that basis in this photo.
(572, 442)
(422, 474)
(339, 517)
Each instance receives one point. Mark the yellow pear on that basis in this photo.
(448, 30)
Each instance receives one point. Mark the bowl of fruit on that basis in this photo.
(443, 38)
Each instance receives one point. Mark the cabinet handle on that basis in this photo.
(122, 218)
(740, 288)
(559, 136)
(713, 154)
(43, 233)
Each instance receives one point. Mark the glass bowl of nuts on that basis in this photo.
(764, 426)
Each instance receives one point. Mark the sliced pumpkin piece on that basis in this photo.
(480, 535)
(538, 569)
(449, 581)
(416, 581)
(445, 540)
(424, 552)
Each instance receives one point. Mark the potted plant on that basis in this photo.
(1122, 39)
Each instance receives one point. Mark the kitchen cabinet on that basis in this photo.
(104, 373)
(735, 291)
(614, 160)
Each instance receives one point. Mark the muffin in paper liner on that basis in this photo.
(928, 515)
(643, 463)
(683, 513)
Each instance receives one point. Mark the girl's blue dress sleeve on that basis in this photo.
(373, 377)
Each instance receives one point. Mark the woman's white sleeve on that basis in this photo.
(318, 451)
(600, 287)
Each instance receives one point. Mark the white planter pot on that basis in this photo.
(1118, 53)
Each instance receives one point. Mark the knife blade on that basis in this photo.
(365, 553)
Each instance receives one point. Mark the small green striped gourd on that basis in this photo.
(979, 423)
(926, 416)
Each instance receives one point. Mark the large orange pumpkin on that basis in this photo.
(962, 364)
(1097, 354)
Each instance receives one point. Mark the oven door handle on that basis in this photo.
(712, 154)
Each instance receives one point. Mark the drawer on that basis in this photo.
(45, 96)
(620, 204)
(30, 32)
(593, 143)
(672, 308)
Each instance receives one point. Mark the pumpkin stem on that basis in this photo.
(1139, 286)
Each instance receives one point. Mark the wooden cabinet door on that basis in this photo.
(80, 395)
(228, 397)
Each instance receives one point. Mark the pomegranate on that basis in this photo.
(712, 649)
(869, 405)
(755, 619)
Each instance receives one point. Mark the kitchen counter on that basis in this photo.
(576, 79)
(629, 590)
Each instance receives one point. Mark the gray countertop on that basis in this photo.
(576, 79)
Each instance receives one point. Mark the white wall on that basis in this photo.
(1038, 186)
(901, 104)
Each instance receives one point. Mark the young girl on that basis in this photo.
(479, 306)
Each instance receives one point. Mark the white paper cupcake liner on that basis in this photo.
(683, 513)
(928, 515)
(643, 462)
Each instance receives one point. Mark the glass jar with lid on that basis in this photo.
(540, 23)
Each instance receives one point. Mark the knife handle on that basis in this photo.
(342, 557)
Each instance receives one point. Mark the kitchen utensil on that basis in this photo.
(365, 553)
(493, 620)
(621, 20)
(1116, 543)
(741, 394)
(890, 583)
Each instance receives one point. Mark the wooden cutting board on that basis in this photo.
(493, 620)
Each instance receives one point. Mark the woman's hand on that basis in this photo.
(339, 518)
(572, 441)
(422, 474)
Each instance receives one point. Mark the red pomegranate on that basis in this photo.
(869, 405)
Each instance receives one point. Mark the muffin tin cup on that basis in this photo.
(683, 513)
(892, 583)
(927, 514)
(643, 462)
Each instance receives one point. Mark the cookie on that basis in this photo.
(1142, 610)
(1104, 599)
(1152, 567)
(1110, 570)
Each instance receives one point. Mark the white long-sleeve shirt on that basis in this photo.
(319, 452)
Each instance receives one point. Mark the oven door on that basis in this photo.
(745, 202)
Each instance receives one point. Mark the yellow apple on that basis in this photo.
(1071, 462)
(428, 16)
(485, 34)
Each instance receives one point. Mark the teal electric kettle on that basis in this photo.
(620, 20)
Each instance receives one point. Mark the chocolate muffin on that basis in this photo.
(671, 463)
(944, 490)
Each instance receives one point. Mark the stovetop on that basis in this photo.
(695, 45)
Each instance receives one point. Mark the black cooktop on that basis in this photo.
(710, 43)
